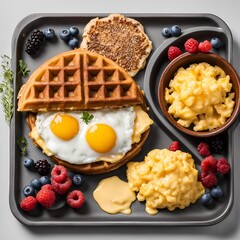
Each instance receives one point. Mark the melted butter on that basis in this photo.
(114, 196)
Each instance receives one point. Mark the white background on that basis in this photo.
(11, 12)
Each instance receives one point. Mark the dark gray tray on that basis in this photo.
(200, 26)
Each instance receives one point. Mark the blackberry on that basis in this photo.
(216, 145)
(43, 167)
(34, 42)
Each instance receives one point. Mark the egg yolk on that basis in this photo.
(101, 137)
(64, 126)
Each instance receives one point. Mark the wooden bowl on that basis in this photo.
(184, 60)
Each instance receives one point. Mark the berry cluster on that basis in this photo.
(42, 166)
(215, 193)
(174, 31)
(43, 191)
(36, 38)
(210, 166)
(70, 36)
(193, 46)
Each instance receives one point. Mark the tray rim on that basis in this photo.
(12, 203)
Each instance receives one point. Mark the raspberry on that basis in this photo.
(46, 197)
(203, 149)
(223, 166)
(47, 186)
(28, 204)
(208, 164)
(59, 173)
(174, 146)
(209, 180)
(63, 186)
(191, 45)
(75, 199)
(205, 46)
(173, 52)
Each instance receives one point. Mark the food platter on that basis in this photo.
(200, 26)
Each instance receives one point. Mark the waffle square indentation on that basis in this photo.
(72, 75)
(41, 77)
(109, 75)
(106, 64)
(72, 91)
(95, 91)
(40, 91)
(71, 61)
(112, 91)
(121, 77)
(93, 61)
(95, 75)
(55, 91)
(54, 75)
(127, 89)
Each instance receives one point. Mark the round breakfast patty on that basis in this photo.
(119, 38)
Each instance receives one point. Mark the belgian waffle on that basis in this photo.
(78, 80)
(119, 38)
(96, 167)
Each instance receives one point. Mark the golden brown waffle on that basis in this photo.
(78, 80)
(119, 38)
(96, 167)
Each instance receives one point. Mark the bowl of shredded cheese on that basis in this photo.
(199, 94)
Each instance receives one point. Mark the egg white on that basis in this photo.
(77, 150)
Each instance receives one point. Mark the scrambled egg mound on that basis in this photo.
(165, 179)
(201, 95)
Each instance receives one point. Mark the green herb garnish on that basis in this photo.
(22, 144)
(24, 70)
(87, 117)
(6, 88)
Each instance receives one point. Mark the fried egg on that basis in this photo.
(108, 135)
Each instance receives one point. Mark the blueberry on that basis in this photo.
(65, 35)
(49, 33)
(217, 192)
(28, 163)
(216, 42)
(74, 31)
(175, 31)
(77, 180)
(44, 180)
(29, 191)
(35, 183)
(206, 199)
(73, 43)
(166, 32)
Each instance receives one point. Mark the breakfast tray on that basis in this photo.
(199, 26)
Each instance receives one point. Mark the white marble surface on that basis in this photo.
(11, 12)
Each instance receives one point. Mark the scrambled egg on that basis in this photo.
(165, 179)
(200, 95)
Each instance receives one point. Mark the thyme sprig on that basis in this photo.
(24, 70)
(6, 88)
(22, 144)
